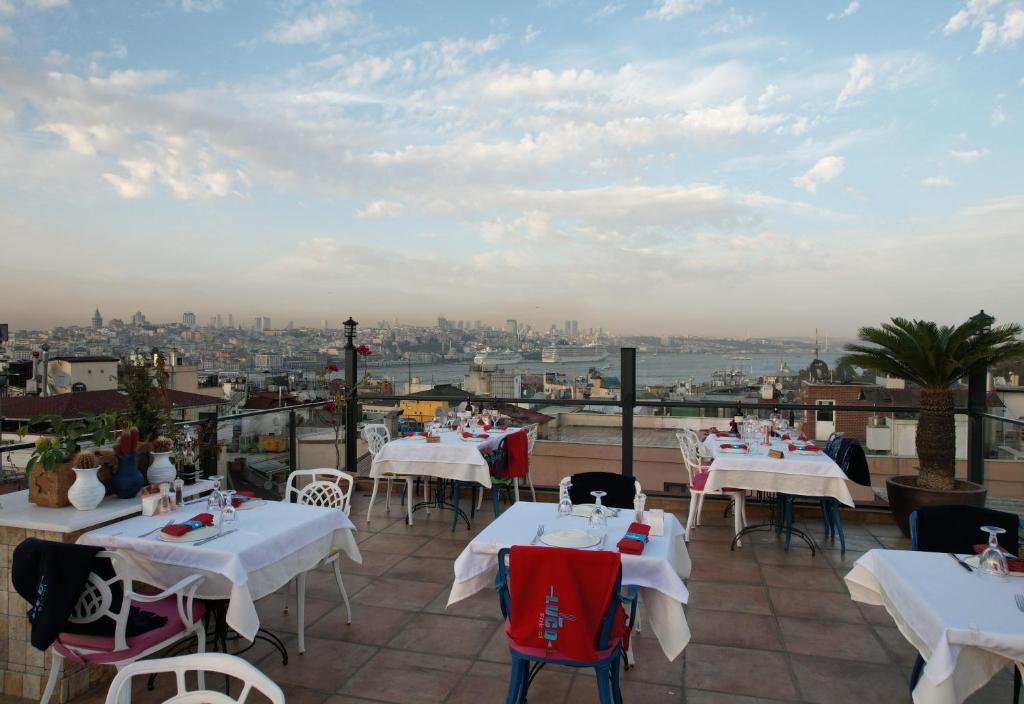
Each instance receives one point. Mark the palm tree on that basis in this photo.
(934, 357)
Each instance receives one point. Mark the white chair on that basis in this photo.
(697, 477)
(377, 436)
(177, 603)
(531, 438)
(200, 663)
(323, 489)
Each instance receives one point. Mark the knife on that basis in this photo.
(961, 562)
(204, 541)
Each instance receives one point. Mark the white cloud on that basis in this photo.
(998, 115)
(937, 182)
(605, 11)
(994, 32)
(730, 22)
(671, 9)
(201, 5)
(850, 9)
(530, 34)
(860, 77)
(132, 80)
(379, 209)
(825, 170)
(318, 23)
(81, 140)
(968, 156)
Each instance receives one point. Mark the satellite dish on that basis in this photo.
(61, 379)
(818, 370)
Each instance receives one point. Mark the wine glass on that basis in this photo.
(992, 561)
(228, 512)
(213, 501)
(564, 502)
(598, 524)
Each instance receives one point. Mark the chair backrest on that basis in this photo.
(556, 579)
(957, 528)
(326, 487)
(103, 597)
(832, 444)
(531, 436)
(376, 436)
(620, 490)
(689, 450)
(219, 663)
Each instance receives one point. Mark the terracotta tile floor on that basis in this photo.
(767, 626)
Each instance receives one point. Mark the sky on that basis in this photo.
(699, 167)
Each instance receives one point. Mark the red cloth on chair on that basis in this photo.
(518, 446)
(558, 598)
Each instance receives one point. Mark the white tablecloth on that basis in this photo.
(794, 474)
(965, 624)
(657, 571)
(452, 458)
(274, 543)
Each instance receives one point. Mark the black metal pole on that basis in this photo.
(351, 396)
(628, 366)
(977, 381)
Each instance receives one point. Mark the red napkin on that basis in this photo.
(483, 435)
(467, 435)
(809, 447)
(502, 427)
(409, 435)
(200, 520)
(802, 439)
(240, 497)
(785, 437)
(486, 427)
(734, 446)
(635, 539)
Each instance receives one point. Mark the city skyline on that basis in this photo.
(661, 167)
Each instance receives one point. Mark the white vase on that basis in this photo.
(161, 469)
(88, 491)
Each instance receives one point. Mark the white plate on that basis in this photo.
(733, 450)
(190, 537)
(569, 538)
(251, 503)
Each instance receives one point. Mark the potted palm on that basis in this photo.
(933, 357)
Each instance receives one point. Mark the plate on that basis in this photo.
(251, 503)
(190, 537)
(569, 538)
(733, 450)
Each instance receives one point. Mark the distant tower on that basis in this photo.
(188, 319)
(97, 320)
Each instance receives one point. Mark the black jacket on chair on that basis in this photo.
(851, 458)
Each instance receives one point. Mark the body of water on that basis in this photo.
(651, 368)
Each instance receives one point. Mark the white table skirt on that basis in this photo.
(794, 474)
(452, 458)
(657, 572)
(964, 624)
(274, 543)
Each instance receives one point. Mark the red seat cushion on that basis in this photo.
(700, 480)
(104, 645)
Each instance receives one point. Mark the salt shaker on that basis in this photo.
(179, 492)
(639, 502)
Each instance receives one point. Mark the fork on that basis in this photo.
(1019, 598)
(540, 532)
(150, 532)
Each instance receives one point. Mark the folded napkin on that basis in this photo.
(785, 437)
(802, 438)
(503, 427)
(481, 435)
(809, 447)
(242, 496)
(725, 435)
(733, 446)
(200, 520)
(635, 539)
(486, 427)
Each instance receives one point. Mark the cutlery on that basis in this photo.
(197, 501)
(1019, 598)
(961, 563)
(150, 532)
(540, 532)
(204, 541)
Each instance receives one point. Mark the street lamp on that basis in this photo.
(977, 403)
(984, 319)
(351, 395)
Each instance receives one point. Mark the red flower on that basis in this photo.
(363, 351)
(330, 406)
(331, 367)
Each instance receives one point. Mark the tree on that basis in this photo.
(934, 357)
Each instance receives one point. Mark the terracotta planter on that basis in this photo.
(905, 497)
(49, 488)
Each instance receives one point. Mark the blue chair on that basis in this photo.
(956, 529)
(526, 665)
(497, 463)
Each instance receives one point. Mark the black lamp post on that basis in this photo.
(351, 395)
(977, 403)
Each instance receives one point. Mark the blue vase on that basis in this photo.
(128, 480)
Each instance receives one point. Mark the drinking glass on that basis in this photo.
(598, 524)
(639, 502)
(228, 512)
(213, 501)
(564, 502)
(992, 561)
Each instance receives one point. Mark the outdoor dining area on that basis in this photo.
(473, 585)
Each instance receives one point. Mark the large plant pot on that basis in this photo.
(88, 491)
(49, 487)
(161, 470)
(905, 497)
(128, 480)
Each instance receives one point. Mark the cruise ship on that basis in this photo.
(573, 353)
(491, 358)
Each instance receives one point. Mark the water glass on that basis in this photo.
(213, 501)
(564, 502)
(598, 524)
(992, 561)
(228, 512)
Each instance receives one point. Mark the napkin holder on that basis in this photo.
(433, 439)
(777, 454)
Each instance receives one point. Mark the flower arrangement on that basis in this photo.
(128, 443)
(162, 444)
(86, 460)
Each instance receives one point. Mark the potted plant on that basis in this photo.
(87, 492)
(933, 357)
(49, 467)
(128, 480)
(148, 406)
(161, 469)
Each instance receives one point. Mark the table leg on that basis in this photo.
(771, 526)
(439, 502)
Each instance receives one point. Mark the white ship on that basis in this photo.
(492, 358)
(573, 353)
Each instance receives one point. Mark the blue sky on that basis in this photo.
(665, 166)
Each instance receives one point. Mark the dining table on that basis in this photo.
(267, 545)
(966, 625)
(745, 463)
(658, 572)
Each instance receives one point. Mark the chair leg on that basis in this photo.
(287, 595)
(200, 649)
(56, 660)
(700, 506)
(515, 485)
(691, 517)
(737, 518)
(789, 520)
(533, 492)
(426, 493)
(456, 493)
(387, 498)
(373, 497)
(604, 683)
(837, 526)
(341, 587)
(301, 611)
(515, 681)
(408, 500)
(616, 691)
(496, 499)
(479, 498)
(1016, 684)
